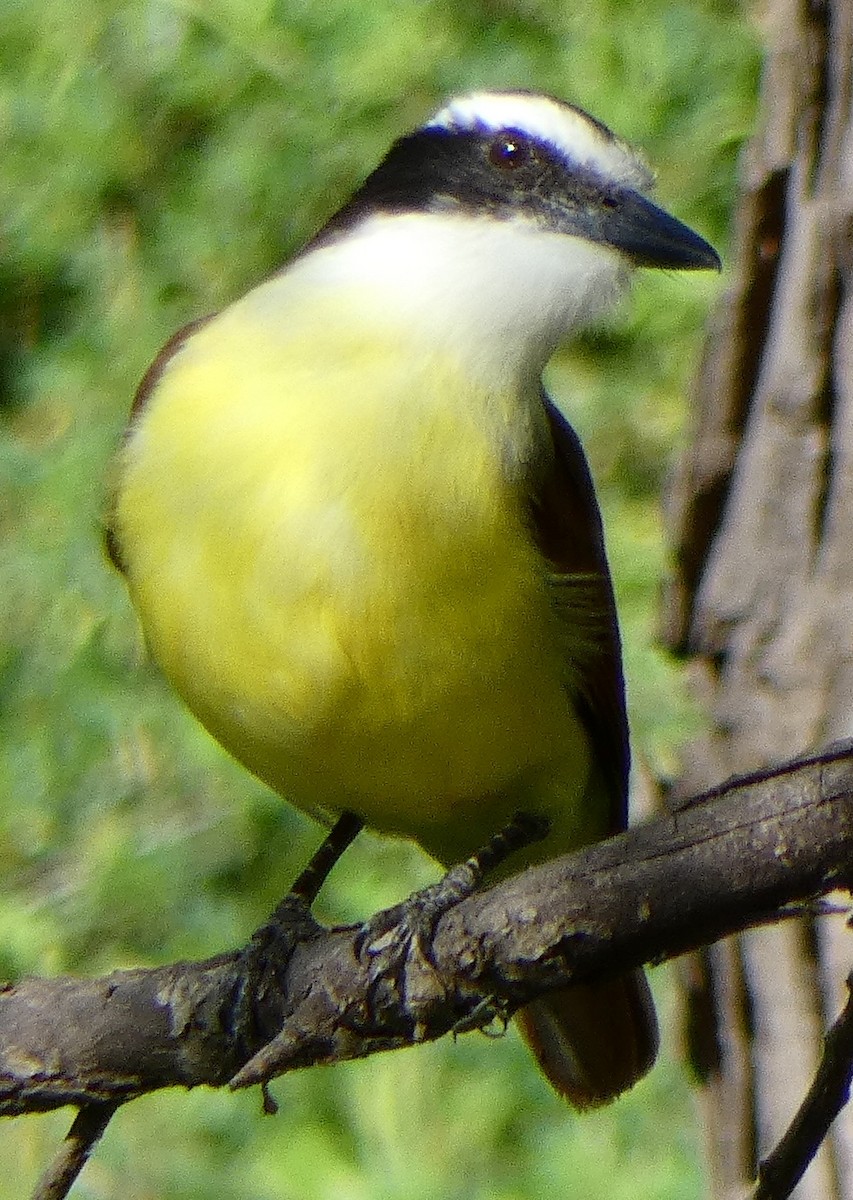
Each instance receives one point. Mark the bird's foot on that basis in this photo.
(396, 943)
(260, 1005)
(398, 937)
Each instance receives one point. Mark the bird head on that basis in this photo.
(504, 222)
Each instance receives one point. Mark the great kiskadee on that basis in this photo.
(364, 545)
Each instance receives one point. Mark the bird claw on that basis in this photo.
(262, 967)
(396, 938)
(393, 938)
(396, 943)
(263, 964)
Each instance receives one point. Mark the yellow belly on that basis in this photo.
(333, 570)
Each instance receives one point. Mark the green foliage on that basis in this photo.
(158, 158)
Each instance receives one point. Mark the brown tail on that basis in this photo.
(593, 1041)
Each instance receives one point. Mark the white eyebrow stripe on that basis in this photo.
(568, 130)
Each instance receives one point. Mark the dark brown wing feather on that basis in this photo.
(567, 528)
(594, 1040)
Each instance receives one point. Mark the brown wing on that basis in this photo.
(567, 527)
(595, 1040)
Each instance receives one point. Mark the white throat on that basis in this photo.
(499, 295)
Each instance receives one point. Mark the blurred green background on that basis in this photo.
(157, 159)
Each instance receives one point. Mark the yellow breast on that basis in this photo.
(332, 567)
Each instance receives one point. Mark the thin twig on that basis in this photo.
(85, 1133)
(782, 1170)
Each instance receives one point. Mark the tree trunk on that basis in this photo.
(761, 599)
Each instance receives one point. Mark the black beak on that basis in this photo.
(648, 235)
(626, 220)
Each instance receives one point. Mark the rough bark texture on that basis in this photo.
(657, 890)
(762, 598)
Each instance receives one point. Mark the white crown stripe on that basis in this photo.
(568, 130)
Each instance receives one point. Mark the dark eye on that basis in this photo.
(508, 151)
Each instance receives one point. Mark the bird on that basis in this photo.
(364, 544)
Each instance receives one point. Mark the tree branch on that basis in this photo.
(85, 1133)
(726, 861)
(782, 1170)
